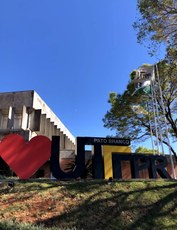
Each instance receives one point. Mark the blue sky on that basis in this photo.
(73, 53)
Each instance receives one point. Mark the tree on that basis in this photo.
(141, 149)
(128, 123)
(157, 23)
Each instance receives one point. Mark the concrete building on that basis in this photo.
(27, 114)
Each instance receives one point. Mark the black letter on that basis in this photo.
(140, 162)
(116, 163)
(98, 163)
(55, 156)
(158, 164)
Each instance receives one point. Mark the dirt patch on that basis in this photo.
(91, 205)
(33, 206)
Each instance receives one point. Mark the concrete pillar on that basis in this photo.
(17, 124)
(47, 127)
(42, 124)
(58, 132)
(55, 130)
(35, 120)
(51, 130)
(67, 143)
(10, 121)
(24, 124)
(62, 141)
(73, 147)
(29, 111)
(51, 127)
(4, 119)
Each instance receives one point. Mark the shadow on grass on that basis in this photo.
(100, 204)
(30, 185)
(119, 206)
(27, 189)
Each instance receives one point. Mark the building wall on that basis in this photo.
(27, 114)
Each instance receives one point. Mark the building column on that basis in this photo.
(62, 141)
(51, 131)
(42, 124)
(47, 125)
(24, 124)
(10, 121)
(67, 143)
(55, 130)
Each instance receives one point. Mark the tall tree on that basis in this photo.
(130, 117)
(157, 22)
(141, 149)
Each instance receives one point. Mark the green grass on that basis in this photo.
(94, 204)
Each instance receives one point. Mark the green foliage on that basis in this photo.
(129, 124)
(133, 74)
(157, 23)
(171, 55)
(141, 149)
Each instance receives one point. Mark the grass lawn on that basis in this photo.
(89, 204)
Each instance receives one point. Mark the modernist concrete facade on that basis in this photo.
(27, 114)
